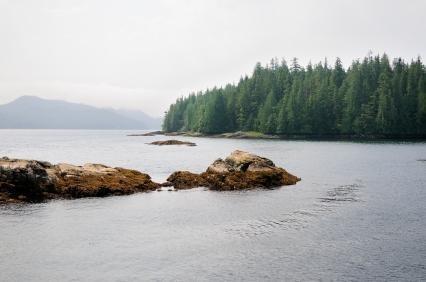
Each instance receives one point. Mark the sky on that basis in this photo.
(145, 54)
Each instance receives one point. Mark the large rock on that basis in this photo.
(25, 179)
(241, 161)
(240, 170)
(34, 181)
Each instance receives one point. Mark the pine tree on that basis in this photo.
(386, 107)
(371, 97)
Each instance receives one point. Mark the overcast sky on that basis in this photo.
(145, 54)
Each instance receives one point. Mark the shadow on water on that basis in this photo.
(299, 219)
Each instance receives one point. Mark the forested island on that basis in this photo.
(372, 98)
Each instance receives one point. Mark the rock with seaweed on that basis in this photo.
(240, 170)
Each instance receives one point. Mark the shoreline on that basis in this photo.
(310, 137)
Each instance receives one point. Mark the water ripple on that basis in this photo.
(345, 193)
(297, 219)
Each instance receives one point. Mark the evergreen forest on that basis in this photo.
(372, 97)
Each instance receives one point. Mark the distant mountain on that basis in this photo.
(148, 121)
(32, 112)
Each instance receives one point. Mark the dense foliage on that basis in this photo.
(371, 97)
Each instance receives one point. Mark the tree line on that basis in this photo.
(373, 97)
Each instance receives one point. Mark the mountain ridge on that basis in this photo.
(33, 112)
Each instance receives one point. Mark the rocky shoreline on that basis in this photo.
(231, 135)
(322, 137)
(38, 181)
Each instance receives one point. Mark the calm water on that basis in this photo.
(359, 213)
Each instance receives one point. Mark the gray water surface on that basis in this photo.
(359, 213)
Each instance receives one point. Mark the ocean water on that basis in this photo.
(359, 214)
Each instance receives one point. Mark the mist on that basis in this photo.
(145, 54)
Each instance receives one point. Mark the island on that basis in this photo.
(374, 98)
(172, 142)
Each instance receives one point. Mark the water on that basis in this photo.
(359, 213)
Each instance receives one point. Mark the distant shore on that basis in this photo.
(259, 135)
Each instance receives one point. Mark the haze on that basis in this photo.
(144, 54)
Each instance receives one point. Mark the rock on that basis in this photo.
(220, 166)
(35, 181)
(186, 180)
(116, 181)
(240, 170)
(172, 142)
(240, 161)
(27, 178)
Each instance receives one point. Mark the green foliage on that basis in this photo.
(371, 97)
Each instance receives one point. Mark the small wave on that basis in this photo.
(297, 219)
(344, 193)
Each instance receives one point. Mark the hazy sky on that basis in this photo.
(145, 54)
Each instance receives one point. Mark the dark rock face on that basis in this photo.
(35, 181)
(172, 142)
(24, 180)
(240, 170)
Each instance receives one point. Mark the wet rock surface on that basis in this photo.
(186, 180)
(36, 181)
(172, 142)
(240, 170)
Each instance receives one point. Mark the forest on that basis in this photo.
(372, 97)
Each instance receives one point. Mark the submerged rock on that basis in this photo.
(35, 181)
(240, 170)
(172, 142)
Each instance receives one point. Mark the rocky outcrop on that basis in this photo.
(172, 142)
(240, 170)
(35, 181)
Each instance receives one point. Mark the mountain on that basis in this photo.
(32, 112)
(148, 121)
